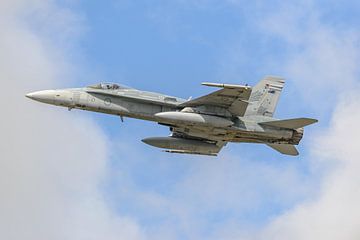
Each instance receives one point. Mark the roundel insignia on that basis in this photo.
(107, 101)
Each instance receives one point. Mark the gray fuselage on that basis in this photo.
(128, 102)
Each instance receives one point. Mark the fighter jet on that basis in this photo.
(204, 125)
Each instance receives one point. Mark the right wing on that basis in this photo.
(233, 98)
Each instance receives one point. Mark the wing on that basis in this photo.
(233, 98)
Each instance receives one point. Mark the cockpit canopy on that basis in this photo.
(108, 86)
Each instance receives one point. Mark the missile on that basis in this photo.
(222, 85)
(193, 118)
(183, 145)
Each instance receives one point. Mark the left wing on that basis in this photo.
(233, 98)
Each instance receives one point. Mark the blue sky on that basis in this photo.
(116, 187)
(171, 47)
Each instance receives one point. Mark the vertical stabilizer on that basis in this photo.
(265, 96)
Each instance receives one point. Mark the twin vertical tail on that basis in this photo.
(265, 96)
(263, 101)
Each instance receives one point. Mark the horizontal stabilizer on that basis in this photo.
(286, 149)
(290, 123)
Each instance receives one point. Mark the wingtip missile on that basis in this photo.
(224, 85)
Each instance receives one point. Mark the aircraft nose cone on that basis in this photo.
(30, 95)
(46, 96)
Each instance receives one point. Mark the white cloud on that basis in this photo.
(334, 214)
(324, 66)
(208, 195)
(321, 60)
(51, 163)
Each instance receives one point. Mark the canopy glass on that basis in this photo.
(108, 86)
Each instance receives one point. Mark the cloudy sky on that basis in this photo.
(81, 175)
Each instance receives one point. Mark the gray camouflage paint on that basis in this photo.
(200, 126)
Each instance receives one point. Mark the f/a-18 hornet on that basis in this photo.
(203, 125)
